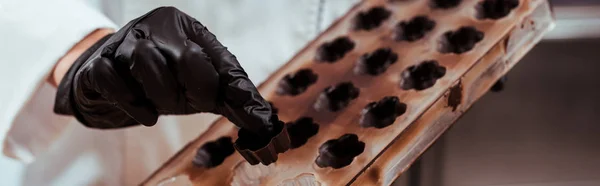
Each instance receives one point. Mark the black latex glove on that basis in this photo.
(164, 62)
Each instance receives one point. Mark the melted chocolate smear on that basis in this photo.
(338, 153)
(495, 9)
(382, 113)
(422, 76)
(252, 141)
(371, 18)
(337, 97)
(301, 130)
(461, 40)
(455, 96)
(499, 85)
(335, 50)
(414, 29)
(295, 84)
(213, 153)
(376, 62)
(445, 4)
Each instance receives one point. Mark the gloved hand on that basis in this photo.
(164, 62)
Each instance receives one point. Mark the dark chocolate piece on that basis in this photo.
(301, 130)
(264, 147)
(376, 62)
(445, 4)
(294, 84)
(414, 29)
(422, 76)
(495, 9)
(382, 113)
(337, 97)
(371, 18)
(334, 50)
(461, 40)
(213, 153)
(455, 96)
(338, 153)
(499, 85)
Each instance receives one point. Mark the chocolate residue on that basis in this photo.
(337, 97)
(213, 153)
(445, 4)
(376, 62)
(455, 96)
(371, 18)
(461, 40)
(422, 76)
(495, 9)
(338, 153)
(335, 50)
(294, 84)
(382, 113)
(301, 130)
(414, 29)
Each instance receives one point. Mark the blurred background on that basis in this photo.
(543, 129)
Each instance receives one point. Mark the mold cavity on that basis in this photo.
(213, 153)
(371, 18)
(376, 62)
(461, 40)
(414, 29)
(305, 179)
(301, 130)
(445, 4)
(337, 97)
(294, 84)
(500, 84)
(245, 174)
(338, 153)
(495, 9)
(335, 50)
(422, 76)
(382, 113)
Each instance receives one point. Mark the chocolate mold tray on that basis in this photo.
(363, 100)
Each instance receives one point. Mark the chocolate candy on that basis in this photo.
(337, 97)
(213, 153)
(376, 62)
(338, 153)
(421, 76)
(461, 40)
(301, 130)
(445, 4)
(495, 9)
(332, 51)
(294, 84)
(264, 146)
(371, 18)
(414, 29)
(382, 113)
(499, 85)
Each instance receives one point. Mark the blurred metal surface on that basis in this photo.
(576, 19)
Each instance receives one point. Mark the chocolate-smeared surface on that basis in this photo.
(338, 153)
(495, 9)
(335, 50)
(294, 84)
(337, 97)
(376, 62)
(455, 96)
(301, 130)
(413, 29)
(371, 18)
(422, 76)
(382, 113)
(213, 153)
(461, 40)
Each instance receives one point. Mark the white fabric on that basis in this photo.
(34, 34)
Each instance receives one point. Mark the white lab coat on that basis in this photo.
(41, 148)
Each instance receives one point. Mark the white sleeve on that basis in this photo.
(34, 35)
